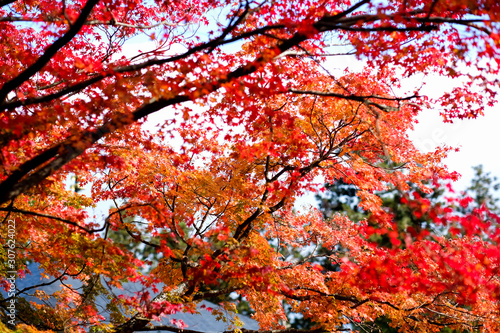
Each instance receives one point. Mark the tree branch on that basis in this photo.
(49, 52)
(60, 219)
(43, 284)
(6, 106)
(358, 98)
(6, 2)
(90, 22)
(243, 330)
(215, 293)
(364, 99)
(66, 151)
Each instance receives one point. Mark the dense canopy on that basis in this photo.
(202, 144)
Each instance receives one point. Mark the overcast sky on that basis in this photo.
(478, 140)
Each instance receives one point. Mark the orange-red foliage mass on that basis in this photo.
(251, 115)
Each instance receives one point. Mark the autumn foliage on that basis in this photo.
(203, 143)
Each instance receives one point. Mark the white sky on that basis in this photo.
(478, 140)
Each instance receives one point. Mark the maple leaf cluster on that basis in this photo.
(252, 115)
